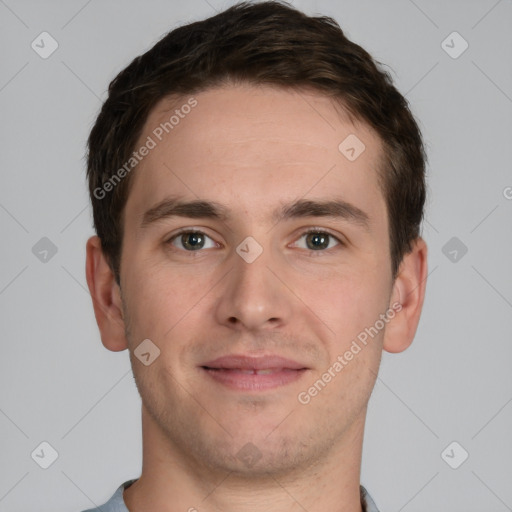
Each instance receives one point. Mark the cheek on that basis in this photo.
(154, 302)
(349, 301)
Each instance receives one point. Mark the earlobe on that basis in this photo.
(409, 291)
(106, 297)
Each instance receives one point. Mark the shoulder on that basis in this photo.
(367, 501)
(116, 502)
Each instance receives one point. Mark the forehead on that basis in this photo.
(255, 146)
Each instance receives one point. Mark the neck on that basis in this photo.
(171, 481)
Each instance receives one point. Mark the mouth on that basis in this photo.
(245, 373)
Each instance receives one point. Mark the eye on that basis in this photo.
(315, 240)
(192, 241)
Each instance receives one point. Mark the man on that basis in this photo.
(257, 186)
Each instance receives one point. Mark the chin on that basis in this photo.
(254, 456)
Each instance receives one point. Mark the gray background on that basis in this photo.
(58, 384)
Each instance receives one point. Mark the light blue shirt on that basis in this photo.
(116, 503)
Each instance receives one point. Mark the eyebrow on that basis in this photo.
(201, 209)
(336, 208)
(172, 207)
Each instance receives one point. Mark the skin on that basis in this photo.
(253, 149)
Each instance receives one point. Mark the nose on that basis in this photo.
(253, 297)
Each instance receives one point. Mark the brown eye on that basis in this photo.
(317, 241)
(192, 241)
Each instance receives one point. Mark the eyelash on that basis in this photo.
(304, 233)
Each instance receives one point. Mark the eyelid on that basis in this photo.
(318, 229)
(302, 232)
(189, 229)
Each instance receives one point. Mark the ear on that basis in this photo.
(407, 298)
(106, 297)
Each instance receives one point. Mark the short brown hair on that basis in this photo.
(263, 43)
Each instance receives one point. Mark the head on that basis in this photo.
(235, 127)
(265, 44)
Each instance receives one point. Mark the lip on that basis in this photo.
(246, 373)
(243, 362)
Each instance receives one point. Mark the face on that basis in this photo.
(255, 252)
